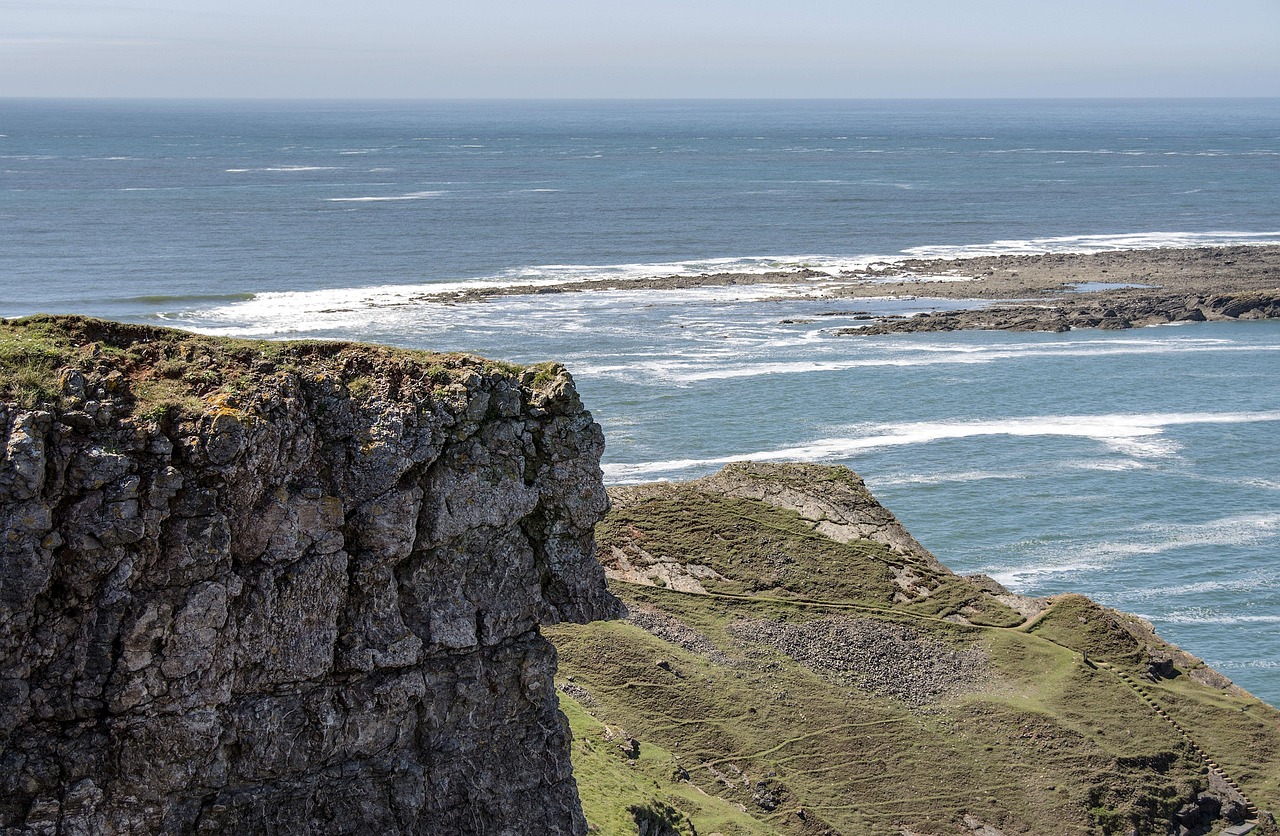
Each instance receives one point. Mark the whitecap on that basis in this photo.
(1243, 664)
(1131, 433)
(942, 478)
(425, 195)
(1235, 530)
(1203, 615)
(1072, 556)
(1109, 465)
(929, 355)
(397, 306)
(1096, 243)
(283, 168)
(1238, 584)
(828, 266)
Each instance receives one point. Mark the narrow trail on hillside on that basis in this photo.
(1214, 767)
(1026, 628)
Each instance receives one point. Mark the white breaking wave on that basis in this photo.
(1243, 481)
(1240, 584)
(828, 266)
(380, 198)
(1113, 466)
(1242, 664)
(1096, 243)
(279, 168)
(690, 370)
(1136, 435)
(292, 313)
(1237, 530)
(1207, 616)
(835, 264)
(1064, 558)
(876, 482)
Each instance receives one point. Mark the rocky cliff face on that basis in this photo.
(250, 587)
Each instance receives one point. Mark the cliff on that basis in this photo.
(285, 587)
(794, 662)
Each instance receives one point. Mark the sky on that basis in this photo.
(650, 49)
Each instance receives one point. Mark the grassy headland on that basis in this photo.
(775, 678)
(156, 372)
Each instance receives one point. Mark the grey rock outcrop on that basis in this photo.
(835, 501)
(1118, 311)
(309, 604)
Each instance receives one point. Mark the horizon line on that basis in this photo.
(309, 98)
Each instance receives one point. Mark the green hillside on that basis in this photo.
(795, 663)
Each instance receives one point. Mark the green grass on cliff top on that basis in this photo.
(157, 370)
(1049, 743)
(764, 551)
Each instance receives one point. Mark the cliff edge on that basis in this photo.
(255, 587)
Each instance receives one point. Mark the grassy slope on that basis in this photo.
(1048, 743)
(157, 372)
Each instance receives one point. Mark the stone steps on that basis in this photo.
(1209, 762)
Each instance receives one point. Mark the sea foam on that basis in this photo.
(424, 195)
(827, 266)
(1135, 435)
(919, 354)
(1043, 560)
(1096, 243)
(283, 168)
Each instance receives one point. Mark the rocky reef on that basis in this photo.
(286, 587)
(1109, 311)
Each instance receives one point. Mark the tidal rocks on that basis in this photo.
(285, 588)
(1109, 312)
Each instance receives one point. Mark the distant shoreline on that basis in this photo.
(1044, 292)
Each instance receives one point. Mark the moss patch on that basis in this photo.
(154, 372)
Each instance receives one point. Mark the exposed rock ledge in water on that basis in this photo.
(1115, 311)
(290, 588)
(1030, 292)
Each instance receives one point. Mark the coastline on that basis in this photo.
(1043, 292)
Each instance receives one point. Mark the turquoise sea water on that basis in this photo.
(1140, 467)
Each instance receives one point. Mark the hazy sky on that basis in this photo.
(652, 48)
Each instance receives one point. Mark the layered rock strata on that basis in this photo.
(289, 588)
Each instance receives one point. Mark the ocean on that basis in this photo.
(1140, 467)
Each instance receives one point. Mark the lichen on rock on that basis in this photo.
(261, 587)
